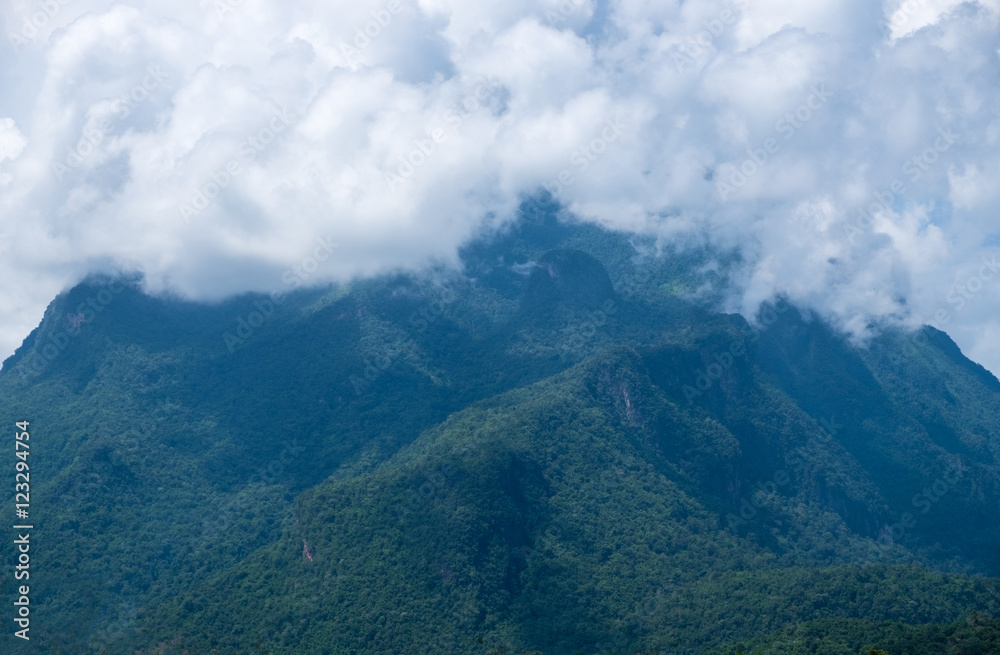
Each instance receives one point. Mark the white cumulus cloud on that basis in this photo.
(847, 147)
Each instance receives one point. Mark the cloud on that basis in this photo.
(12, 142)
(848, 148)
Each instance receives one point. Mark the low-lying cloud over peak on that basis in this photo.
(849, 148)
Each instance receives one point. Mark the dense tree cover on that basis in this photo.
(976, 634)
(515, 458)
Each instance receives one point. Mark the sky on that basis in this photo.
(849, 148)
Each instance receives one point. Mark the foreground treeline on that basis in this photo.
(977, 634)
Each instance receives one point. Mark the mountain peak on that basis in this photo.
(566, 278)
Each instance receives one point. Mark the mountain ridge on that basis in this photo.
(598, 462)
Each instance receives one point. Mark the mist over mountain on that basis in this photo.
(846, 148)
(560, 445)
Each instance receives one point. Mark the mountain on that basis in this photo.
(559, 448)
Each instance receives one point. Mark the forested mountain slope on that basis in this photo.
(558, 448)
